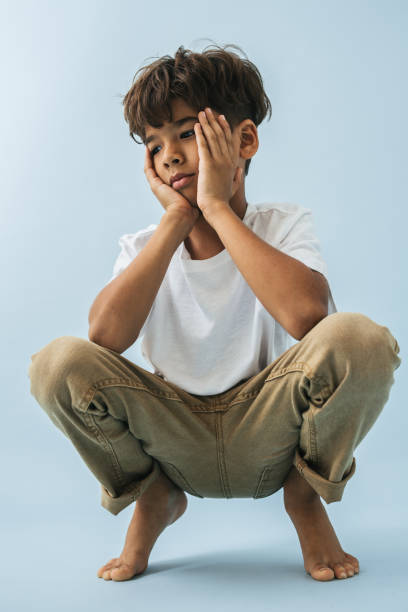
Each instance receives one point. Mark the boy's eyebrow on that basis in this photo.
(176, 123)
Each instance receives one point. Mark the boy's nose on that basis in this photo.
(172, 157)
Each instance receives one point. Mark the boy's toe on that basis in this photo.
(340, 571)
(322, 572)
(349, 569)
(354, 562)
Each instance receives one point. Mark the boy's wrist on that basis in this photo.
(174, 229)
(216, 212)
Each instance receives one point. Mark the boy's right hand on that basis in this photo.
(175, 204)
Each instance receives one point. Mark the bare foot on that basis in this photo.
(159, 506)
(323, 556)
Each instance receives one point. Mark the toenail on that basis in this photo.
(350, 573)
(343, 575)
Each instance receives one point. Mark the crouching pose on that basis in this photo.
(217, 291)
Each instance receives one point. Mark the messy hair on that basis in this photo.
(216, 78)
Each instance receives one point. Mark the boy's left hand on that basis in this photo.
(218, 172)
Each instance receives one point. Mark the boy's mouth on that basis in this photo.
(180, 180)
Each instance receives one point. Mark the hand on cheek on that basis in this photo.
(167, 196)
(218, 171)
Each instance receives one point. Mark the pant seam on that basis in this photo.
(299, 366)
(313, 440)
(221, 456)
(293, 367)
(104, 440)
(118, 382)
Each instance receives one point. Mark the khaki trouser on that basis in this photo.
(310, 408)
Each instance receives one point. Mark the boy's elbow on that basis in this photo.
(310, 323)
(107, 343)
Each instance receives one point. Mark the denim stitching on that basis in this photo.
(210, 409)
(242, 397)
(238, 399)
(260, 482)
(125, 382)
(299, 366)
(293, 367)
(221, 457)
(96, 430)
(313, 441)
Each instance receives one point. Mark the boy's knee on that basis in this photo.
(356, 335)
(50, 366)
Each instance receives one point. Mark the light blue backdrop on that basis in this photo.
(72, 182)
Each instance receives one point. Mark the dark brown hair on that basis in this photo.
(217, 78)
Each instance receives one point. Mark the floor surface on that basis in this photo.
(221, 555)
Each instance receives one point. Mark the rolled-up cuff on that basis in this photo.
(130, 493)
(328, 490)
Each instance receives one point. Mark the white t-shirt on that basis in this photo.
(206, 330)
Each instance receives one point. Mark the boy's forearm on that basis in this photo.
(286, 287)
(119, 311)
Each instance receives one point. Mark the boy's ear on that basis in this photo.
(249, 142)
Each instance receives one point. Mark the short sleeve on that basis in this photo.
(128, 252)
(130, 246)
(300, 241)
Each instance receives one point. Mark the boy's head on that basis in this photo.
(192, 81)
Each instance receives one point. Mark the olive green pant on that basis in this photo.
(310, 408)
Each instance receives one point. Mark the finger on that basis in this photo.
(228, 134)
(150, 172)
(218, 130)
(147, 160)
(210, 135)
(148, 166)
(202, 144)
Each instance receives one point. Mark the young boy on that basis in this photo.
(216, 290)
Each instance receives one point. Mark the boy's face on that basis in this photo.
(174, 149)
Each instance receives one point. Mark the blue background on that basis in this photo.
(73, 182)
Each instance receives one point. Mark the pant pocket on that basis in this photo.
(177, 478)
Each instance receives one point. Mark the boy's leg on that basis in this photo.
(127, 424)
(131, 428)
(312, 407)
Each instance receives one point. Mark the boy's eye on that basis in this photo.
(154, 150)
(189, 132)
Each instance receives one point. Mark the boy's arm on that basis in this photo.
(294, 294)
(119, 311)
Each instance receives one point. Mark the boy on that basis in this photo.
(216, 290)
